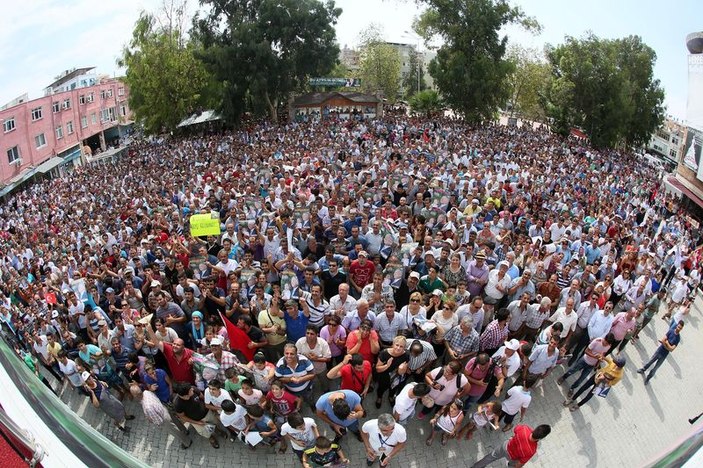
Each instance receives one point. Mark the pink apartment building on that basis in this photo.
(80, 114)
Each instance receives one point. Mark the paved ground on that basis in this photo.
(628, 429)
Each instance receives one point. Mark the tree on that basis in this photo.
(414, 81)
(264, 50)
(379, 64)
(166, 81)
(607, 88)
(426, 102)
(470, 69)
(527, 83)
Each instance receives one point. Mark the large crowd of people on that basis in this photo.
(436, 271)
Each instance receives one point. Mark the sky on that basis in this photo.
(41, 38)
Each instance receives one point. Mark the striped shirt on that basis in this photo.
(427, 355)
(318, 312)
(303, 368)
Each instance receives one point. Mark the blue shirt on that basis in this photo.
(163, 392)
(672, 337)
(303, 368)
(350, 396)
(295, 328)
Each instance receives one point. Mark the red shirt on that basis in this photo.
(353, 380)
(181, 371)
(365, 349)
(362, 275)
(520, 446)
(282, 406)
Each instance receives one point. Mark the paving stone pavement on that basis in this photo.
(629, 428)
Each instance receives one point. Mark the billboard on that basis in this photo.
(692, 151)
(336, 82)
(694, 107)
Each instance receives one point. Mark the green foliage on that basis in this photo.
(379, 65)
(416, 77)
(426, 102)
(470, 69)
(264, 50)
(528, 83)
(166, 81)
(607, 88)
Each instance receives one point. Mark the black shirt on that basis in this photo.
(194, 408)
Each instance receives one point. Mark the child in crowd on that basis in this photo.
(447, 421)
(487, 414)
(248, 395)
(324, 453)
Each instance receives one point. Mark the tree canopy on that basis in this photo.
(379, 64)
(470, 68)
(426, 102)
(263, 50)
(166, 81)
(528, 82)
(606, 87)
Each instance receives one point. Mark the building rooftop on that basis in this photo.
(68, 76)
(319, 98)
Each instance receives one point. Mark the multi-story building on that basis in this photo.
(79, 114)
(668, 141)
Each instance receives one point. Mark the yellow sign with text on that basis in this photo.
(204, 225)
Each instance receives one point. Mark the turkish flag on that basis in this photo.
(238, 339)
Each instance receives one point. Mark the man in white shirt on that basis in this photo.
(405, 402)
(567, 316)
(318, 352)
(342, 304)
(383, 438)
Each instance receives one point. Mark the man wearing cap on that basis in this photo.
(508, 358)
(224, 358)
(361, 273)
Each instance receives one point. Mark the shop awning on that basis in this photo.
(681, 186)
(17, 180)
(49, 164)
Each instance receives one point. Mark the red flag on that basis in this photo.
(238, 339)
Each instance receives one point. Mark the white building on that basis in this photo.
(668, 142)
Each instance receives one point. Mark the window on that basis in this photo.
(120, 91)
(123, 111)
(104, 115)
(66, 104)
(90, 97)
(93, 118)
(111, 114)
(55, 107)
(675, 140)
(59, 132)
(40, 140)
(103, 94)
(81, 99)
(84, 121)
(69, 127)
(36, 114)
(109, 93)
(13, 154)
(672, 153)
(8, 124)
